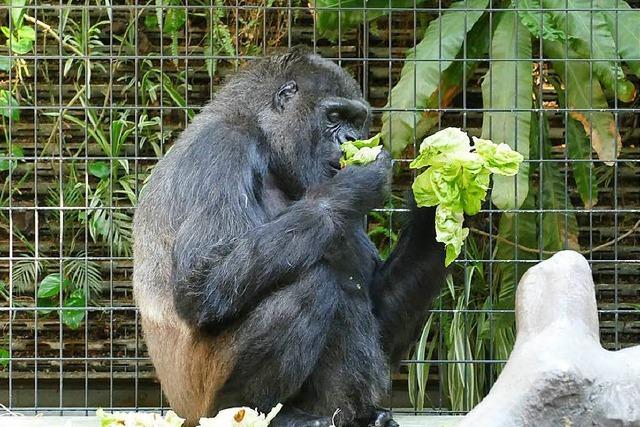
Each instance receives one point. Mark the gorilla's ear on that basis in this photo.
(283, 94)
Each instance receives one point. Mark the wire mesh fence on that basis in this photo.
(93, 93)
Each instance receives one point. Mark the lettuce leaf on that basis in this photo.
(360, 152)
(138, 419)
(457, 180)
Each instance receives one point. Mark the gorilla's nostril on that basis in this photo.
(348, 137)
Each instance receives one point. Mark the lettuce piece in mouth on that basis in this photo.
(360, 152)
(457, 180)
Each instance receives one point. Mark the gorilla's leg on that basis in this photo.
(278, 346)
(352, 375)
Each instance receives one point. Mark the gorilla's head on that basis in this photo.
(305, 106)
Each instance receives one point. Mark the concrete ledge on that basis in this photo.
(53, 421)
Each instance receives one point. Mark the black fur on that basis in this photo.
(269, 245)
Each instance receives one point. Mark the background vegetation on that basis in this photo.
(93, 93)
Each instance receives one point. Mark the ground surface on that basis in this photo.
(404, 421)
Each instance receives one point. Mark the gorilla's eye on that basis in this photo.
(334, 116)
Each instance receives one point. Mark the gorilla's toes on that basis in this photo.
(382, 418)
(392, 423)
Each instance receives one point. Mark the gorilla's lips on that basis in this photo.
(335, 164)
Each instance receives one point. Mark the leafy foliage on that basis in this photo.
(54, 288)
(619, 16)
(421, 73)
(507, 87)
(21, 36)
(7, 105)
(591, 38)
(219, 40)
(580, 98)
(540, 23)
(331, 22)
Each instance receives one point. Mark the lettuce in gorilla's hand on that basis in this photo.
(457, 179)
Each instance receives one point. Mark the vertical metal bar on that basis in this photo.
(616, 170)
(11, 257)
(86, 180)
(36, 220)
(60, 225)
(136, 112)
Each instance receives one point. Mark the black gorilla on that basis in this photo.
(256, 281)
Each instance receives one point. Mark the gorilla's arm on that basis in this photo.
(215, 281)
(405, 285)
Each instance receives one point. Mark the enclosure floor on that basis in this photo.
(50, 421)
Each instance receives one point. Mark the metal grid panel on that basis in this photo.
(105, 87)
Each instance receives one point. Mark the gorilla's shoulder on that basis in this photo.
(213, 147)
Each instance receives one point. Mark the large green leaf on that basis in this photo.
(454, 78)
(585, 93)
(520, 228)
(8, 105)
(99, 169)
(74, 312)
(591, 38)
(517, 229)
(4, 357)
(335, 16)
(626, 19)
(579, 148)
(506, 87)
(423, 70)
(579, 151)
(540, 23)
(51, 286)
(559, 229)
(17, 11)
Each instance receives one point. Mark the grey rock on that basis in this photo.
(558, 373)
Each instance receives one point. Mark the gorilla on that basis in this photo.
(254, 276)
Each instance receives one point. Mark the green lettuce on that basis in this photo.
(457, 179)
(360, 152)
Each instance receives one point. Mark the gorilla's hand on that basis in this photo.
(355, 190)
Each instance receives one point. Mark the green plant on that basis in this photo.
(334, 17)
(468, 334)
(85, 39)
(56, 293)
(115, 182)
(218, 40)
(4, 357)
(170, 20)
(20, 36)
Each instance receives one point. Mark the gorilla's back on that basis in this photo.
(189, 365)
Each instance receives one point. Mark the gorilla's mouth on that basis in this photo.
(335, 165)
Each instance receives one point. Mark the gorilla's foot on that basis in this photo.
(293, 417)
(378, 418)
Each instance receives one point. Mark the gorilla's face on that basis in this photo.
(317, 106)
